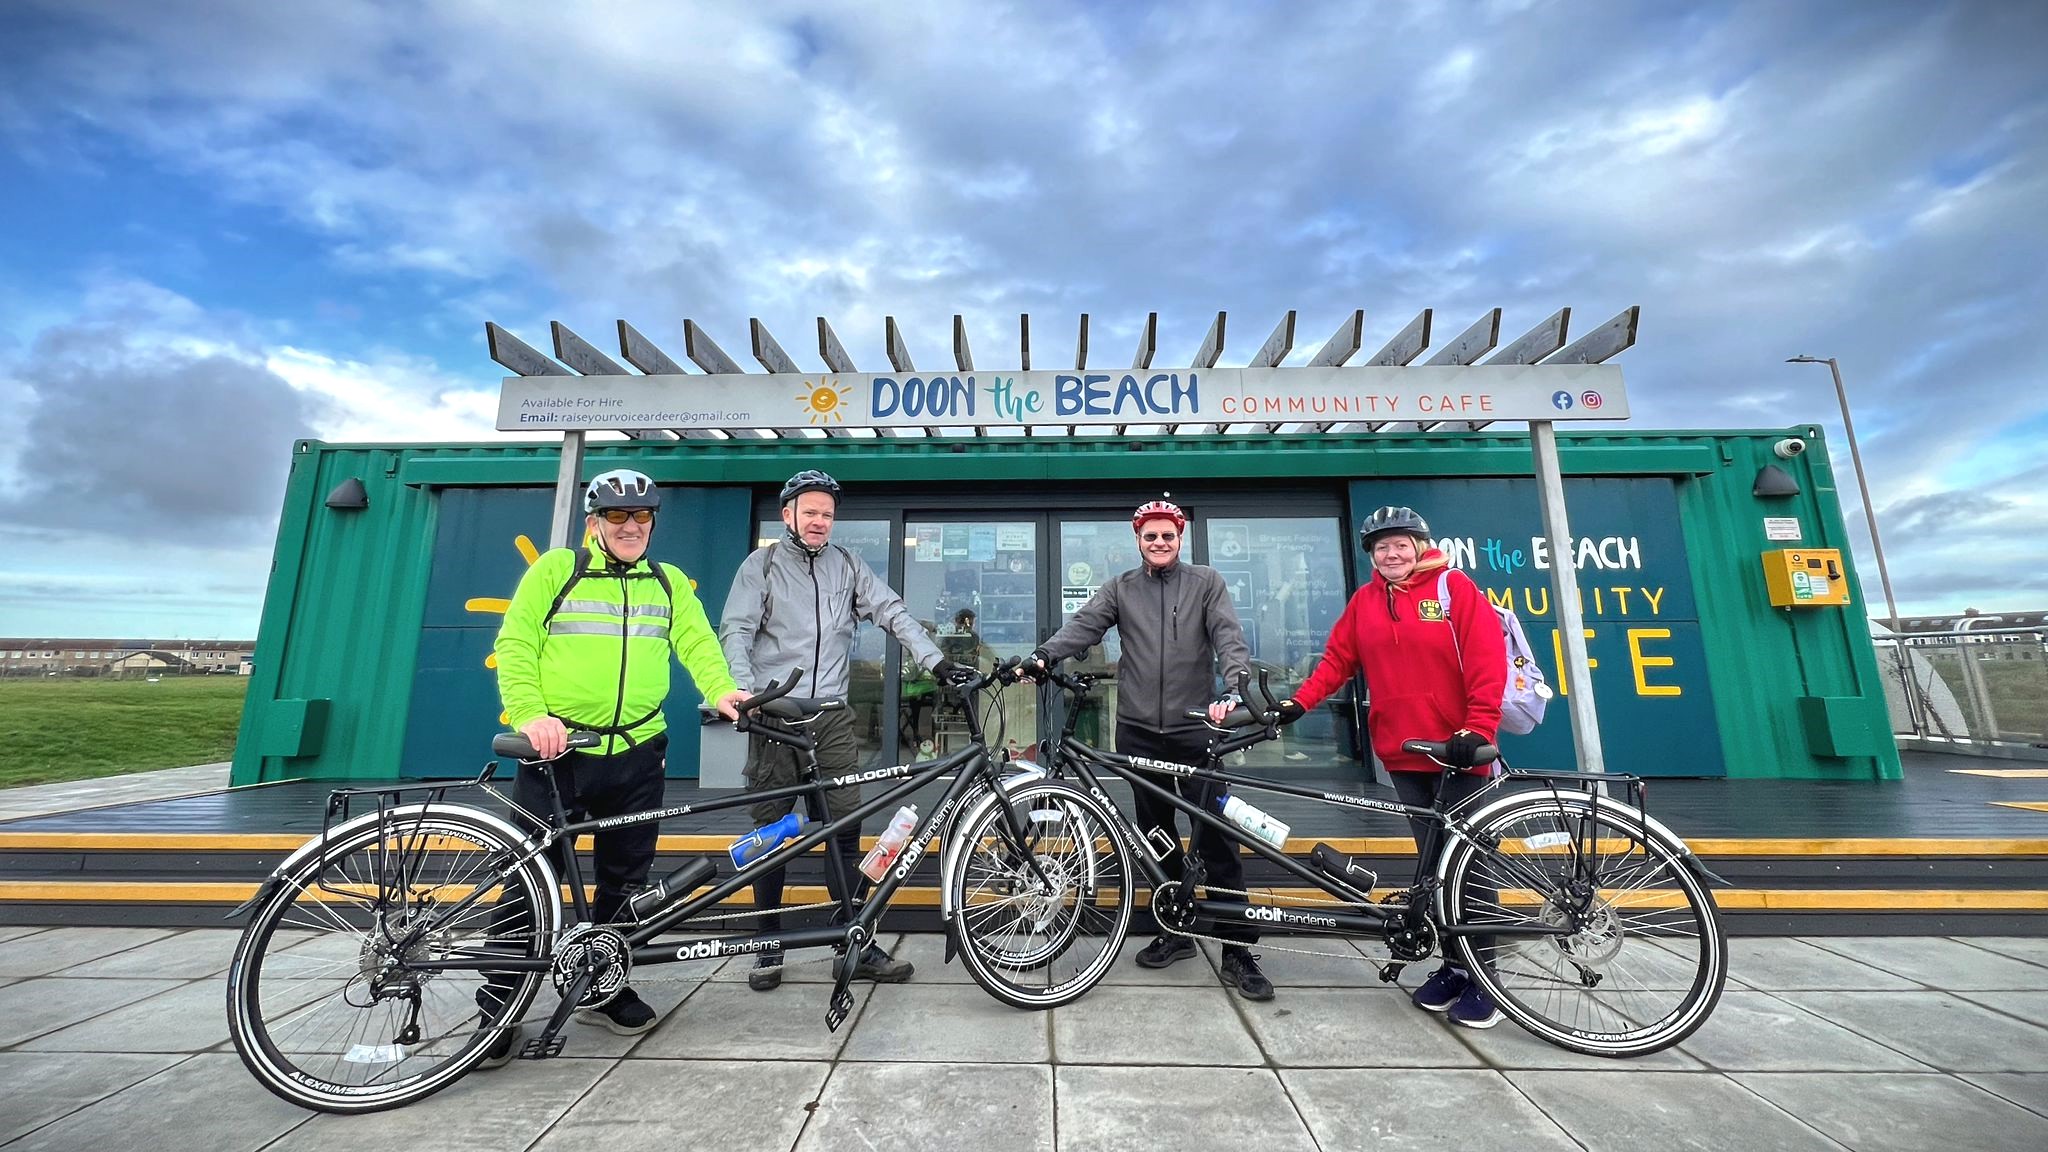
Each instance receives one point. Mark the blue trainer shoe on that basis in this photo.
(1475, 1009)
(1442, 989)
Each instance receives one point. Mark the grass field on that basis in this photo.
(58, 729)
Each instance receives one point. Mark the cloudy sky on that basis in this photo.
(226, 225)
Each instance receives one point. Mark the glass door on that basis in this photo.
(974, 585)
(1091, 550)
(869, 540)
(1286, 579)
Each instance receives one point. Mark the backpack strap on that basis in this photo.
(1443, 597)
(578, 568)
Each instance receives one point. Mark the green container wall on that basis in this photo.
(343, 612)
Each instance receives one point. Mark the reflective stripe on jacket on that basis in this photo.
(603, 660)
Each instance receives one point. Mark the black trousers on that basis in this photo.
(592, 787)
(1420, 790)
(1218, 853)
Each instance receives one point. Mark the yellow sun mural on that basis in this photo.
(825, 403)
(498, 605)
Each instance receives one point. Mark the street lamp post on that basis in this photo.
(1891, 605)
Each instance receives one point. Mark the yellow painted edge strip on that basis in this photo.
(2029, 805)
(2004, 773)
(1738, 899)
(231, 892)
(1351, 845)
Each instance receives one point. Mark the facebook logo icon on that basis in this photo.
(1562, 401)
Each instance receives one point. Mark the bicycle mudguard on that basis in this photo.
(357, 823)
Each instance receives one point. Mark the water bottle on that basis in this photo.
(889, 844)
(1257, 823)
(764, 840)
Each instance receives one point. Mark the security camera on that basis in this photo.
(1789, 448)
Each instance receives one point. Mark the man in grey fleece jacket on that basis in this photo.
(1177, 626)
(794, 604)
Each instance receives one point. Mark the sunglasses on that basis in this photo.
(1167, 537)
(621, 515)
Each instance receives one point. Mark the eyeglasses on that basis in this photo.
(621, 515)
(1167, 537)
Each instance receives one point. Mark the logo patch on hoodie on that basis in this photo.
(1429, 609)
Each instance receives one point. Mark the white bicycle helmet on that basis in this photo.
(620, 488)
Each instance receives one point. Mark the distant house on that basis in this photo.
(43, 656)
(148, 663)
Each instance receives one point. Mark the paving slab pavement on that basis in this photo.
(1863, 1044)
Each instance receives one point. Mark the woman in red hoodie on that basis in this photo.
(1433, 671)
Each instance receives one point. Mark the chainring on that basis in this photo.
(607, 948)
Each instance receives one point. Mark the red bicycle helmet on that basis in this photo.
(1159, 509)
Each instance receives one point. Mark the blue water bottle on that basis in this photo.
(764, 840)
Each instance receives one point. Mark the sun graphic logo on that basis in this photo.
(826, 403)
(498, 605)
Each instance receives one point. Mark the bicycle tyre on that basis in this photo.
(1531, 849)
(292, 1003)
(1017, 938)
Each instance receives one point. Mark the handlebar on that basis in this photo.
(1438, 749)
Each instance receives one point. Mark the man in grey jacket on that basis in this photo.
(795, 604)
(1177, 625)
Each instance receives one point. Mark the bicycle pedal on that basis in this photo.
(542, 1048)
(840, 1006)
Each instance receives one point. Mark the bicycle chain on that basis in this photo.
(1264, 945)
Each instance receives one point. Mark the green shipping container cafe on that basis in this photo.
(379, 618)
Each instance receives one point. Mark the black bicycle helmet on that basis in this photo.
(809, 480)
(1392, 519)
(620, 488)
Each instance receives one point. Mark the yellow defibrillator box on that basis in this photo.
(1805, 577)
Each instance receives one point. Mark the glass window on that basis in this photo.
(1091, 551)
(869, 540)
(975, 586)
(1286, 579)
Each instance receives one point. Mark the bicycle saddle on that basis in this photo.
(514, 746)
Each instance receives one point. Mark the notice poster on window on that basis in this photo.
(1014, 538)
(1072, 596)
(927, 542)
(981, 543)
(955, 542)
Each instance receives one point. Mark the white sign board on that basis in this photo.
(1020, 399)
(1782, 528)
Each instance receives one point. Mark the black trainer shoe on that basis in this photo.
(1241, 971)
(881, 967)
(627, 1014)
(1164, 950)
(767, 973)
(504, 1046)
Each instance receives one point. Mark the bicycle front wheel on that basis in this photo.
(1630, 956)
(1039, 923)
(335, 1000)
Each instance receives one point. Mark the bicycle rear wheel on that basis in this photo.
(1639, 959)
(334, 1002)
(1039, 938)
